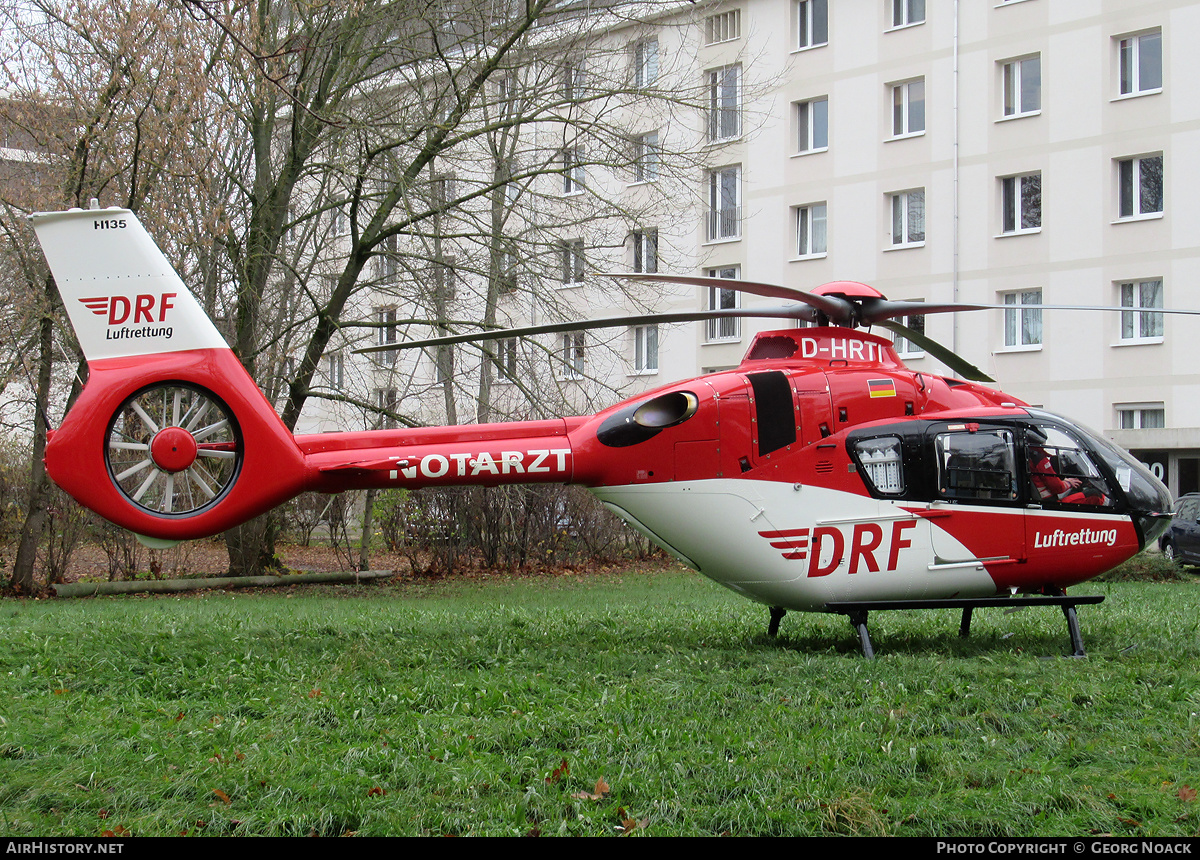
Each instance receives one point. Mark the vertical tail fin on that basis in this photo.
(123, 297)
(170, 436)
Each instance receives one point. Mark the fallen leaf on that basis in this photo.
(559, 772)
(314, 693)
(628, 825)
(376, 792)
(224, 797)
(600, 792)
(1187, 793)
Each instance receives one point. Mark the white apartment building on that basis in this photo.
(1007, 152)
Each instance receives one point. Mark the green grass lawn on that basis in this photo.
(496, 709)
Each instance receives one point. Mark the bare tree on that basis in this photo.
(100, 102)
(400, 164)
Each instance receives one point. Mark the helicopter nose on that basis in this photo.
(1149, 499)
(1153, 523)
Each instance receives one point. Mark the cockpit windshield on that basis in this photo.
(1061, 471)
(1148, 500)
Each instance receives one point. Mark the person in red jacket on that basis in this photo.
(1047, 483)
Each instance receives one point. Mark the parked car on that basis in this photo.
(1181, 542)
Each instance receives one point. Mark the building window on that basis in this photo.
(1021, 203)
(387, 261)
(571, 254)
(1140, 186)
(645, 63)
(507, 280)
(724, 203)
(810, 230)
(908, 108)
(341, 221)
(812, 125)
(1022, 325)
(1137, 326)
(1022, 86)
(574, 79)
(645, 251)
(386, 400)
(904, 347)
(1140, 63)
(812, 23)
(335, 370)
(908, 217)
(441, 192)
(908, 12)
(505, 360)
(725, 103)
(387, 333)
(572, 354)
(723, 299)
(572, 159)
(646, 157)
(645, 349)
(506, 89)
(1141, 416)
(724, 27)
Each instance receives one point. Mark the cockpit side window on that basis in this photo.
(882, 463)
(977, 465)
(1062, 472)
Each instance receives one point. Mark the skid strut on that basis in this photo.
(857, 611)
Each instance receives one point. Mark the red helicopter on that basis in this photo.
(820, 475)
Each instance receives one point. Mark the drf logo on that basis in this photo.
(142, 308)
(824, 547)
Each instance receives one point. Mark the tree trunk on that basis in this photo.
(368, 525)
(251, 546)
(39, 484)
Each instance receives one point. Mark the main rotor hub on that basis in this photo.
(848, 290)
(173, 449)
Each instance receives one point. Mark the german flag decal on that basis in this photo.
(882, 387)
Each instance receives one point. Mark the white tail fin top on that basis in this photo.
(120, 292)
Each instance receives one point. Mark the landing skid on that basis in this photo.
(857, 611)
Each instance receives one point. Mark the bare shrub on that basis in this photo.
(66, 529)
(449, 527)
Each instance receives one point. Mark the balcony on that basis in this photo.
(724, 224)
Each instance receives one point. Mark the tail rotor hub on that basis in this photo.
(173, 449)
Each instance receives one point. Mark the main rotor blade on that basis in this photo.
(1110, 308)
(839, 311)
(799, 312)
(952, 360)
(874, 311)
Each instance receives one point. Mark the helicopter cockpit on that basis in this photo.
(1039, 461)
